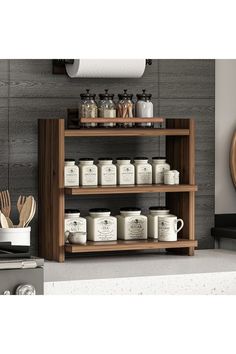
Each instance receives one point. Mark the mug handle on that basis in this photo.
(182, 224)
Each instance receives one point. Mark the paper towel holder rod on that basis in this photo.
(58, 65)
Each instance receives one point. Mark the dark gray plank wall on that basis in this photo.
(29, 91)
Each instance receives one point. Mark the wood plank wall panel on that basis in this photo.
(29, 91)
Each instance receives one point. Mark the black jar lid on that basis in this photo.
(140, 158)
(69, 160)
(144, 96)
(105, 159)
(87, 95)
(130, 209)
(123, 158)
(99, 210)
(158, 208)
(72, 211)
(125, 95)
(159, 158)
(106, 95)
(86, 159)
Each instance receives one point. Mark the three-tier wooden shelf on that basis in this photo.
(180, 153)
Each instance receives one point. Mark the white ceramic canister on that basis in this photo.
(73, 222)
(159, 167)
(131, 224)
(106, 172)
(101, 225)
(176, 176)
(167, 228)
(169, 177)
(125, 171)
(71, 173)
(153, 217)
(143, 170)
(88, 172)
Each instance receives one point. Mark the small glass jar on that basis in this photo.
(131, 224)
(125, 108)
(71, 173)
(125, 171)
(159, 167)
(106, 108)
(144, 109)
(73, 222)
(106, 172)
(101, 225)
(155, 213)
(88, 108)
(143, 170)
(88, 172)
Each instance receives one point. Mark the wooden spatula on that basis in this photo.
(26, 211)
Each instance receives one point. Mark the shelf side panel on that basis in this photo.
(180, 152)
(51, 189)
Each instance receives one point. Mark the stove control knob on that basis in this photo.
(25, 289)
(7, 292)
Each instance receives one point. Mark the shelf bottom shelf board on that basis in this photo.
(128, 245)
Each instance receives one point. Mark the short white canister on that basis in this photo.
(155, 213)
(143, 170)
(125, 171)
(106, 172)
(101, 225)
(159, 166)
(169, 177)
(73, 222)
(131, 224)
(88, 172)
(71, 173)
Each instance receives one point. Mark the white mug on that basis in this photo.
(167, 228)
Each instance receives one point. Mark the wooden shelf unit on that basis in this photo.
(180, 153)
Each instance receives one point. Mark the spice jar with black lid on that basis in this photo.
(125, 108)
(106, 108)
(144, 108)
(88, 108)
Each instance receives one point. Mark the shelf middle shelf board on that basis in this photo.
(125, 132)
(128, 245)
(130, 189)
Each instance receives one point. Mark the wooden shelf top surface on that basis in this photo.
(159, 188)
(128, 245)
(125, 132)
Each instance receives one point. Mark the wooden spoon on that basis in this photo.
(33, 210)
(4, 221)
(25, 211)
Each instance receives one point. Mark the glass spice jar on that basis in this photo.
(144, 109)
(88, 108)
(125, 108)
(106, 108)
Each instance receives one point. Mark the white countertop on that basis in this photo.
(209, 271)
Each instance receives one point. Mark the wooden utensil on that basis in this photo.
(20, 202)
(233, 159)
(25, 212)
(5, 201)
(4, 221)
(33, 211)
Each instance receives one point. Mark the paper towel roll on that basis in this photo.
(109, 68)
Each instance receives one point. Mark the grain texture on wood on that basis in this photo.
(161, 188)
(128, 245)
(51, 191)
(126, 132)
